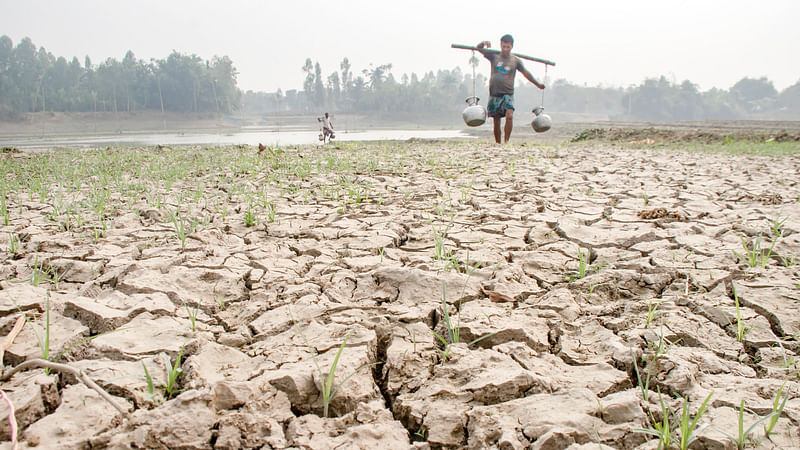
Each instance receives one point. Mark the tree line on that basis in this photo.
(34, 80)
(376, 90)
(372, 90)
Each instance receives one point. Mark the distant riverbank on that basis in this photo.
(245, 137)
(47, 130)
(50, 123)
(51, 130)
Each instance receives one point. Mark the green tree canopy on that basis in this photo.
(32, 80)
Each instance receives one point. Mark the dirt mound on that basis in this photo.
(654, 135)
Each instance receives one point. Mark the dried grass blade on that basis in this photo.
(9, 339)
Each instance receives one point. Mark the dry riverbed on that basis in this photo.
(422, 294)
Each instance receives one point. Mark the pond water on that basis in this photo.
(243, 137)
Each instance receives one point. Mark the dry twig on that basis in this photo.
(64, 368)
(12, 419)
(11, 336)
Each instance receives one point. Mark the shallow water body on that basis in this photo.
(247, 138)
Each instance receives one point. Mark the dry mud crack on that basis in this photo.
(468, 295)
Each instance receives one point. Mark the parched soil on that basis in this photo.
(445, 295)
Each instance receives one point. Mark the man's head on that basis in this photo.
(326, 114)
(506, 43)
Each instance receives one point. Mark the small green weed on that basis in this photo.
(100, 232)
(44, 340)
(777, 226)
(13, 243)
(149, 380)
(453, 332)
(55, 277)
(38, 274)
(652, 311)
(453, 262)
(172, 373)
(741, 329)
(582, 264)
(644, 386)
(179, 226)
(249, 218)
(743, 438)
(663, 345)
(789, 261)
(192, 312)
(688, 429)
(4, 208)
(754, 255)
(583, 268)
(440, 251)
(777, 410)
(661, 430)
(328, 386)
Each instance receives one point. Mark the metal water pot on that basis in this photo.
(542, 122)
(474, 115)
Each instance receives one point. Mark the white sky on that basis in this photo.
(713, 43)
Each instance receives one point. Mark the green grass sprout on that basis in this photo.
(743, 437)
(688, 429)
(172, 374)
(329, 387)
(777, 410)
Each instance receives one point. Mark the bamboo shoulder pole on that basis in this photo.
(519, 55)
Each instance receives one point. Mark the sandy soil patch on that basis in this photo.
(425, 294)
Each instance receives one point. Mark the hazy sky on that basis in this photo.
(713, 43)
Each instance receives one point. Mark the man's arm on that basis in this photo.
(530, 78)
(482, 45)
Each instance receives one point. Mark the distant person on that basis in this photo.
(327, 128)
(501, 83)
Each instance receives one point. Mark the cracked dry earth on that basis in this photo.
(552, 255)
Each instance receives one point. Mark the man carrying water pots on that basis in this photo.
(501, 83)
(327, 128)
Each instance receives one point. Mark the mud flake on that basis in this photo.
(590, 342)
(497, 324)
(410, 355)
(369, 426)
(145, 335)
(81, 414)
(64, 332)
(212, 363)
(770, 297)
(186, 421)
(547, 420)
(33, 395)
